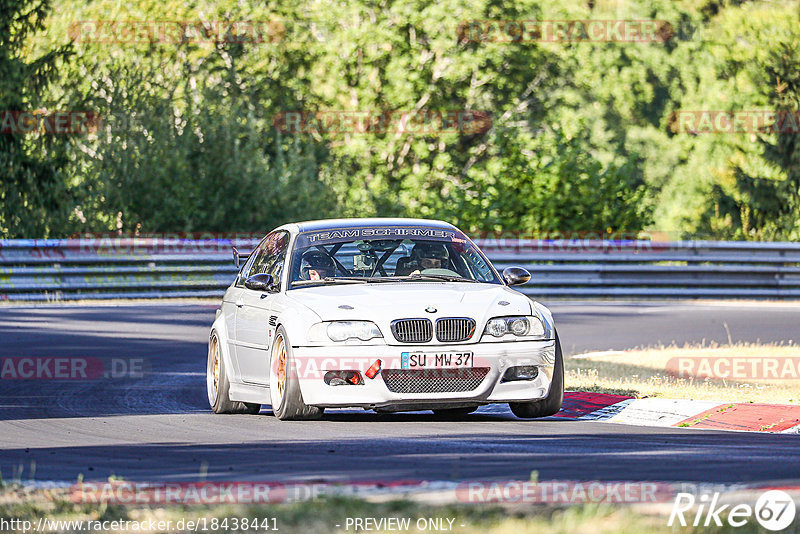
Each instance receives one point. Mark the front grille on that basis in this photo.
(433, 380)
(412, 330)
(454, 329)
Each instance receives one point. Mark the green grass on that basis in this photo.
(643, 373)
(322, 515)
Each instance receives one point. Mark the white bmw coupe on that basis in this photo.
(382, 314)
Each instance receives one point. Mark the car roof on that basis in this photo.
(332, 224)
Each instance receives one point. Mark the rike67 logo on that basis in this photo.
(774, 510)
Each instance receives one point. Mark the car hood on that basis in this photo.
(385, 301)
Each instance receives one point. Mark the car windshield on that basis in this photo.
(371, 255)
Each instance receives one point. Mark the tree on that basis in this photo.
(34, 196)
(739, 185)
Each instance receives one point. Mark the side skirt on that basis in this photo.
(248, 393)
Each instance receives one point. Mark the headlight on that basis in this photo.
(344, 330)
(526, 326)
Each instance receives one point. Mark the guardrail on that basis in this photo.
(69, 269)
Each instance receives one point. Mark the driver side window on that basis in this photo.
(270, 256)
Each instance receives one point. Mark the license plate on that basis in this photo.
(436, 360)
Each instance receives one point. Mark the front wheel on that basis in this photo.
(551, 404)
(284, 384)
(217, 383)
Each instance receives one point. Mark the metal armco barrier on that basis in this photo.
(70, 269)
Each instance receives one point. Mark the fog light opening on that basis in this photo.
(520, 372)
(343, 378)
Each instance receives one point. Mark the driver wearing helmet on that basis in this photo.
(429, 256)
(316, 265)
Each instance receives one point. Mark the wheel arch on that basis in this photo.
(296, 323)
(219, 327)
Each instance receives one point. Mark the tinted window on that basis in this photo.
(268, 258)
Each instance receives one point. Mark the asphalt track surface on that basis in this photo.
(159, 428)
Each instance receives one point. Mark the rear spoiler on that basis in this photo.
(238, 257)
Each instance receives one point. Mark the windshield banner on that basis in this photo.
(342, 235)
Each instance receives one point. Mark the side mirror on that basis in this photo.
(238, 257)
(516, 275)
(260, 282)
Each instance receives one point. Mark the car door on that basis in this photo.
(230, 302)
(254, 308)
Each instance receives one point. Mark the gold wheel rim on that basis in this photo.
(215, 345)
(280, 366)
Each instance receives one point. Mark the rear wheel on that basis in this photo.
(284, 384)
(551, 404)
(218, 386)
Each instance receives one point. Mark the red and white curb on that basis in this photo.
(714, 415)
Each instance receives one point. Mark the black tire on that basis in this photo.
(454, 412)
(551, 404)
(287, 403)
(218, 395)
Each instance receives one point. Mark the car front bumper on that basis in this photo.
(312, 363)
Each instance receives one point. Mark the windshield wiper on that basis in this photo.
(367, 279)
(378, 279)
(417, 276)
(330, 280)
(441, 277)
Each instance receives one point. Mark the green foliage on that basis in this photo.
(580, 136)
(33, 190)
(745, 185)
(548, 183)
(204, 160)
